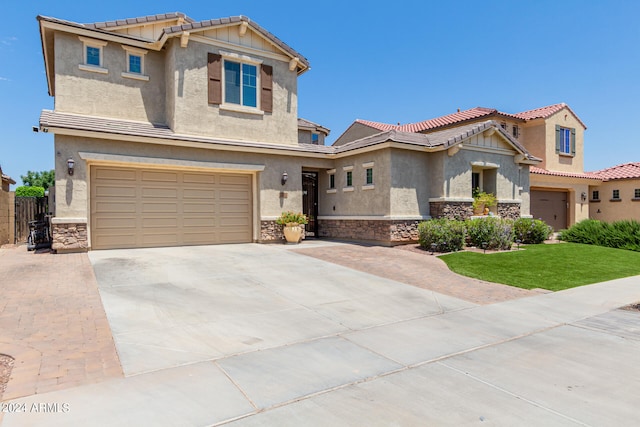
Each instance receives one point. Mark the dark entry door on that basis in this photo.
(551, 207)
(310, 201)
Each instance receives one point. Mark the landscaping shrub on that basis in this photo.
(623, 234)
(531, 231)
(448, 235)
(27, 191)
(496, 232)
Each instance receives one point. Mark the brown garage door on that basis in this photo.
(132, 207)
(551, 207)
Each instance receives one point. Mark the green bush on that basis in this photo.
(619, 234)
(448, 235)
(27, 191)
(490, 233)
(531, 231)
(290, 217)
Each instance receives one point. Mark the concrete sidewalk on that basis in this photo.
(566, 358)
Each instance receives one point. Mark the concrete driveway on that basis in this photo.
(259, 335)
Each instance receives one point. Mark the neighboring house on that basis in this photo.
(311, 133)
(7, 209)
(172, 132)
(553, 134)
(617, 197)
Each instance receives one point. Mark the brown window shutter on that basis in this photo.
(214, 69)
(266, 94)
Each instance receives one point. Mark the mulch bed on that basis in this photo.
(6, 365)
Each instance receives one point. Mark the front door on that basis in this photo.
(310, 201)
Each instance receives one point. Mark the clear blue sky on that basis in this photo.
(392, 61)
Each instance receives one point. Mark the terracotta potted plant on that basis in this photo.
(482, 202)
(292, 225)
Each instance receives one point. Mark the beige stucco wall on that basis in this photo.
(540, 140)
(108, 95)
(577, 209)
(72, 194)
(627, 208)
(194, 115)
(410, 179)
(355, 132)
(304, 137)
(457, 172)
(360, 201)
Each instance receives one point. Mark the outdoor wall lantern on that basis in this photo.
(583, 196)
(285, 177)
(70, 165)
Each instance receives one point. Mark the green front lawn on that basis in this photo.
(553, 267)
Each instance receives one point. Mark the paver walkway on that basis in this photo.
(52, 323)
(418, 269)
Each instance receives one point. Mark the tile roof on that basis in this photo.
(7, 178)
(470, 114)
(544, 112)
(308, 124)
(440, 139)
(157, 131)
(586, 175)
(376, 125)
(190, 25)
(138, 20)
(623, 171)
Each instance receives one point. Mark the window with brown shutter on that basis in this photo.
(266, 94)
(214, 69)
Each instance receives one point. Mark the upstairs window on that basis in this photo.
(369, 173)
(565, 141)
(135, 63)
(516, 131)
(240, 84)
(349, 179)
(315, 138)
(93, 55)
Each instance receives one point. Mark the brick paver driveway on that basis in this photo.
(52, 323)
(407, 265)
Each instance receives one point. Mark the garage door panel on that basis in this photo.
(116, 223)
(234, 221)
(159, 176)
(199, 193)
(199, 178)
(159, 207)
(114, 174)
(114, 191)
(135, 207)
(116, 207)
(240, 180)
(160, 192)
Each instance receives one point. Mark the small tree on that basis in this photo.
(44, 179)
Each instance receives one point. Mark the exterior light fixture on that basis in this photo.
(583, 197)
(70, 165)
(285, 177)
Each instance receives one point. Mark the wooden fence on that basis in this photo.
(28, 209)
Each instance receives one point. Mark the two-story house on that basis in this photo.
(171, 131)
(555, 134)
